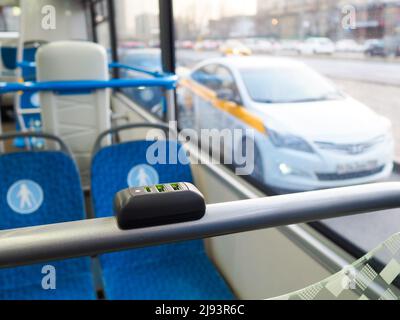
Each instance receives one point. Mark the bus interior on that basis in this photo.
(82, 105)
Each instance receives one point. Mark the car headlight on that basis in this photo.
(289, 141)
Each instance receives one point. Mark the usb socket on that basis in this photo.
(175, 186)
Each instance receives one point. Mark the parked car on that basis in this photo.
(375, 48)
(289, 45)
(234, 47)
(132, 45)
(262, 45)
(187, 44)
(307, 134)
(317, 45)
(348, 45)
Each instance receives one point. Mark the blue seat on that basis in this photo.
(38, 188)
(172, 271)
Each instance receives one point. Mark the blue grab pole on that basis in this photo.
(167, 82)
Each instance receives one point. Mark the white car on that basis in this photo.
(262, 45)
(308, 135)
(348, 45)
(317, 45)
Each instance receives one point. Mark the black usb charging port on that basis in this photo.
(175, 186)
(158, 205)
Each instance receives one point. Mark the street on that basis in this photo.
(367, 70)
(373, 82)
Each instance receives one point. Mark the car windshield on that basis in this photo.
(287, 85)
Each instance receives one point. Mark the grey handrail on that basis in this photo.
(115, 130)
(96, 236)
(12, 135)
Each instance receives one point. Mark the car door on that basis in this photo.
(229, 105)
(198, 98)
(228, 99)
(217, 110)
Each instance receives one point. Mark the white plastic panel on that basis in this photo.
(78, 118)
(52, 20)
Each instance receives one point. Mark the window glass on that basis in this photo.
(228, 89)
(101, 24)
(301, 85)
(319, 81)
(9, 38)
(225, 76)
(207, 77)
(9, 18)
(217, 78)
(138, 32)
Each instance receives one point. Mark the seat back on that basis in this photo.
(174, 271)
(8, 55)
(365, 279)
(69, 61)
(38, 188)
(8, 58)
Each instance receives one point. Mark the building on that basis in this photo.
(9, 18)
(147, 27)
(294, 19)
(232, 27)
(298, 19)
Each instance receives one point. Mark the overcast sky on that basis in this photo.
(216, 8)
(211, 8)
(198, 11)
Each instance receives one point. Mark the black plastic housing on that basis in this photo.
(158, 205)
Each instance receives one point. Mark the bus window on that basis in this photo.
(318, 91)
(138, 46)
(9, 18)
(9, 37)
(98, 13)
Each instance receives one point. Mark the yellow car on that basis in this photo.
(234, 47)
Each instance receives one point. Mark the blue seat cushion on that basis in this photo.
(152, 275)
(172, 271)
(60, 199)
(73, 281)
(59, 180)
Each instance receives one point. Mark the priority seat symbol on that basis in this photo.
(25, 196)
